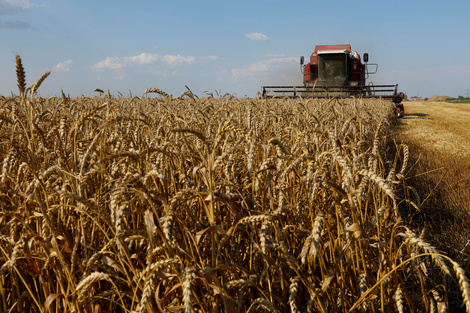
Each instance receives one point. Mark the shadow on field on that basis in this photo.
(415, 115)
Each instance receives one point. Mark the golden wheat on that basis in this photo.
(207, 204)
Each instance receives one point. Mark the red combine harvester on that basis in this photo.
(337, 71)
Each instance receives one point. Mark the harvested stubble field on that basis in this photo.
(438, 126)
(439, 141)
(208, 205)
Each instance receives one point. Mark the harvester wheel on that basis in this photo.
(399, 110)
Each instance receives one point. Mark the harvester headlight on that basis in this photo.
(354, 83)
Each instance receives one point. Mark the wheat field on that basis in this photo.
(211, 204)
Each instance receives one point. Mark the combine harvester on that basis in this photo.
(336, 71)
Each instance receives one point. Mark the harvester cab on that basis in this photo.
(337, 71)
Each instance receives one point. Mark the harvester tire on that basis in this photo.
(399, 110)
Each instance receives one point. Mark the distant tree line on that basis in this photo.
(459, 99)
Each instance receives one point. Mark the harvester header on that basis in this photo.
(336, 71)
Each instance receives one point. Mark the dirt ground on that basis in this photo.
(437, 125)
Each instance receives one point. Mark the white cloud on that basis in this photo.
(260, 68)
(257, 37)
(109, 63)
(211, 57)
(63, 66)
(114, 63)
(23, 4)
(178, 59)
(143, 58)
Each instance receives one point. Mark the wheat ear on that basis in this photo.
(293, 289)
(36, 85)
(464, 285)
(399, 299)
(187, 286)
(264, 304)
(86, 283)
(312, 243)
(413, 239)
(158, 91)
(20, 75)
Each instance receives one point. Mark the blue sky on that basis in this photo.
(228, 46)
